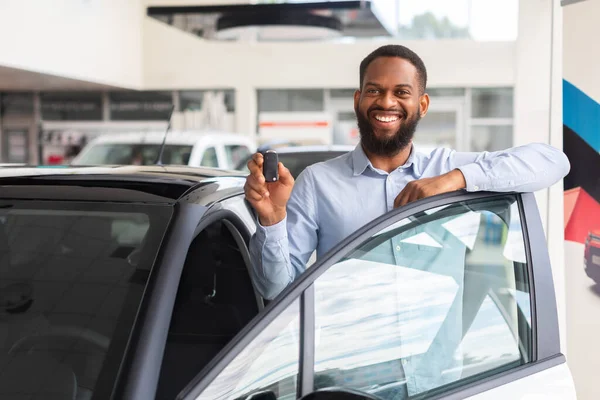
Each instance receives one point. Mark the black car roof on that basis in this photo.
(113, 183)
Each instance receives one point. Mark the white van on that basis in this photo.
(193, 148)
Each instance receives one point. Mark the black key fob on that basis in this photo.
(271, 166)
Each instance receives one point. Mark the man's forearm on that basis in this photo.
(524, 169)
(269, 255)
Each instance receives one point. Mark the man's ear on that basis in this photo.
(424, 104)
(356, 99)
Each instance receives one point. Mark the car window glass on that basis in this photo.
(209, 159)
(440, 299)
(235, 154)
(215, 300)
(268, 364)
(134, 154)
(71, 280)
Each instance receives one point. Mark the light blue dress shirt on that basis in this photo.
(333, 199)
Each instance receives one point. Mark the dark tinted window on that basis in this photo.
(72, 277)
(134, 154)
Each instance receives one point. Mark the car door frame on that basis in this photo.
(546, 348)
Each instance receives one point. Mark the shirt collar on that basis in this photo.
(361, 162)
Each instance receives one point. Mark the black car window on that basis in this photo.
(72, 277)
(215, 300)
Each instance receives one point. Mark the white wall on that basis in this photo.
(581, 51)
(92, 40)
(174, 59)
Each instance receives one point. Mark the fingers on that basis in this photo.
(254, 192)
(285, 176)
(255, 164)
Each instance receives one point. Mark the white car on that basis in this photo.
(193, 148)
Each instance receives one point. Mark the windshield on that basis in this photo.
(72, 277)
(133, 154)
(297, 162)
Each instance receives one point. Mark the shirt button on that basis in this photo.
(475, 187)
(398, 248)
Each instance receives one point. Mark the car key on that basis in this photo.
(271, 166)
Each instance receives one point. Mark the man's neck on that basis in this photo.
(389, 163)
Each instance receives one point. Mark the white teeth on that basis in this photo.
(386, 119)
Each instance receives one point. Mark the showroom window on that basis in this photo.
(140, 106)
(191, 100)
(276, 100)
(491, 119)
(71, 106)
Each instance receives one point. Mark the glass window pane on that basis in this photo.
(446, 92)
(209, 159)
(479, 20)
(492, 103)
(191, 100)
(140, 106)
(268, 363)
(491, 138)
(133, 154)
(236, 154)
(275, 100)
(71, 106)
(17, 104)
(72, 277)
(428, 302)
(436, 129)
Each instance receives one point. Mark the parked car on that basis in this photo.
(591, 258)
(206, 149)
(297, 158)
(134, 283)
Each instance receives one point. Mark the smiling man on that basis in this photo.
(332, 199)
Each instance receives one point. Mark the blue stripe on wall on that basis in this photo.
(581, 114)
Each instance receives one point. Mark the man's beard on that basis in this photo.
(387, 147)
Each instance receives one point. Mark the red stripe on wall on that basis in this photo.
(294, 124)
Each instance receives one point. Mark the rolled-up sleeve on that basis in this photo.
(525, 168)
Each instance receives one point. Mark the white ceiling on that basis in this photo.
(13, 79)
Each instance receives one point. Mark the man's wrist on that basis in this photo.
(458, 179)
(272, 219)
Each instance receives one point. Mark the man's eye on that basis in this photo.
(402, 92)
(372, 91)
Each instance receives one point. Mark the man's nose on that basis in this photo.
(387, 100)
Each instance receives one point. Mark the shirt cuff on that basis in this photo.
(474, 177)
(273, 232)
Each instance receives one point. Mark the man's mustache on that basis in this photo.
(400, 112)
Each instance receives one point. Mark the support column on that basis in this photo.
(538, 118)
(246, 111)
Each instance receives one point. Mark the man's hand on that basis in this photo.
(269, 199)
(419, 189)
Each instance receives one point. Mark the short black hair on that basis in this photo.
(396, 50)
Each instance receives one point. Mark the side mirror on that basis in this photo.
(334, 393)
(264, 395)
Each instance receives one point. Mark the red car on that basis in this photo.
(591, 255)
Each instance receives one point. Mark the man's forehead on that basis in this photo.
(390, 68)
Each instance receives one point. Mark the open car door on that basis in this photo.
(449, 297)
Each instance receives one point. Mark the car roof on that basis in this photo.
(153, 184)
(173, 137)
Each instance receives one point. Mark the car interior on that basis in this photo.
(69, 291)
(215, 300)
